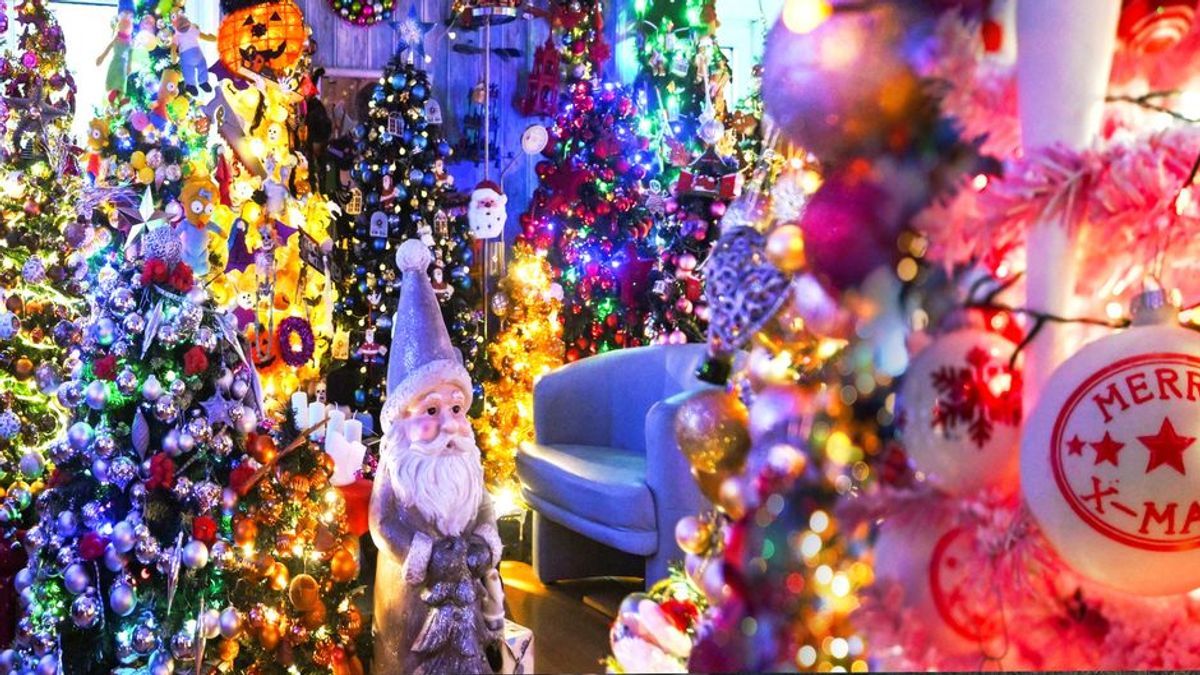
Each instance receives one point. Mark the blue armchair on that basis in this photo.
(605, 478)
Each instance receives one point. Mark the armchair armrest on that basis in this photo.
(668, 473)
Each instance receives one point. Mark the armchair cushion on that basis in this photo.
(604, 485)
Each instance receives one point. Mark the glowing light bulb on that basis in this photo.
(804, 16)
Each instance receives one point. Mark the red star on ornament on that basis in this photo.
(1075, 446)
(1106, 449)
(1166, 447)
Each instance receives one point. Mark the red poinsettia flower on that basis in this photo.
(204, 529)
(240, 477)
(195, 361)
(154, 271)
(162, 472)
(105, 367)
(91, 546)
(680, 612)
(181, 278)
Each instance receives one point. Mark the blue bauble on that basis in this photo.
(379, 244)
(415, 175)
(428, 180)
(420, 142)
(360, 397)
(419, 91)
(443, 148)
(372, 199)
(398, 80)
(401, 193)
(378, 95)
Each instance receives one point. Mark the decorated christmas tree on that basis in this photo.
(589, 212)
(399, 171)
(267, 235)
(39, 228)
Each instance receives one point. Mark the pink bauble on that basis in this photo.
(1109, 460)
(946, 586)
(850, 229)
(845, 88)
(960, 412)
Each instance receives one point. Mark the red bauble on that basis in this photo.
(1152, 26)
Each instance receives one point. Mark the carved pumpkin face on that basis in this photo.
(264, 37)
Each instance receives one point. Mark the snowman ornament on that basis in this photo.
(486, 214)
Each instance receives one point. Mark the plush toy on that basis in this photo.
(97, 141)
(191, 59)
(119, 46)
(486, 213)
(168, 91)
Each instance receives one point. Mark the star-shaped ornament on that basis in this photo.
(1166, 448)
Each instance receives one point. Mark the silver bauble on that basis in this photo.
(168, 333)
(248, 421)
(113, 560)
(200, 429)
(239, 388)
(104, 445)
(187, 442)
(67, 523)
(210, 623)
(47, 378)
(231, 623)
(104, 331)
(127, 381)
(96, 395)
(123, 537)
(80, 435)
(47, 665)
(162, 664)
(122, 301)
(85, 611)
(183, 645)
(177, 387)
(147, 550)
(70, 394)
(165, 408)
(122, 471)
(76, 578)
(134, 323)
(23, 579)
(194, 554)
(122, 599)
(32, 465)
(100, 469)
(152, 389)
(197, 296)
(170, 443)
(145, 639)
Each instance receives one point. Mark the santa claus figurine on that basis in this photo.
(486, 213)
(438, 598)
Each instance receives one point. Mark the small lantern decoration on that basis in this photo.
(541, 92)
(482, 101)
(262, 37)
(354, 205)
(395, 124)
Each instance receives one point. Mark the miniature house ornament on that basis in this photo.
(438, 598)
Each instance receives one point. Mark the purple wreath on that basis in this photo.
(294, 325)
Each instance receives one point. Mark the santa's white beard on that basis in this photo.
(445, 487)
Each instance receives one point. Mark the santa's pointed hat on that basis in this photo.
(422, 354)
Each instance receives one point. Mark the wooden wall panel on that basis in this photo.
(342, 46)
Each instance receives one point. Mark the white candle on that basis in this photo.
(353, 431)
(1064, 55)
(337, 419)
(316, 413)
(300, 408)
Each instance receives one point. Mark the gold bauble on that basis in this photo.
(343, 566)
(314, 618)
(227, 650)
(304, 592)
(785, 248)
(268, 637)
(692, 535)
(245, 531)
(710, 484)
(279, 576)
(711, 430)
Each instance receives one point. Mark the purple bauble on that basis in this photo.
(29, 60)
(845, 88)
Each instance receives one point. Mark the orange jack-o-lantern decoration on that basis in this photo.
(264, 37)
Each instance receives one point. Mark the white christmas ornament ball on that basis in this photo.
(1110, 466)
(941, 570)
(960, 412)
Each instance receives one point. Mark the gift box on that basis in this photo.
(517, 652)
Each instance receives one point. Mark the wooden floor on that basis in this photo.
(569, 620)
